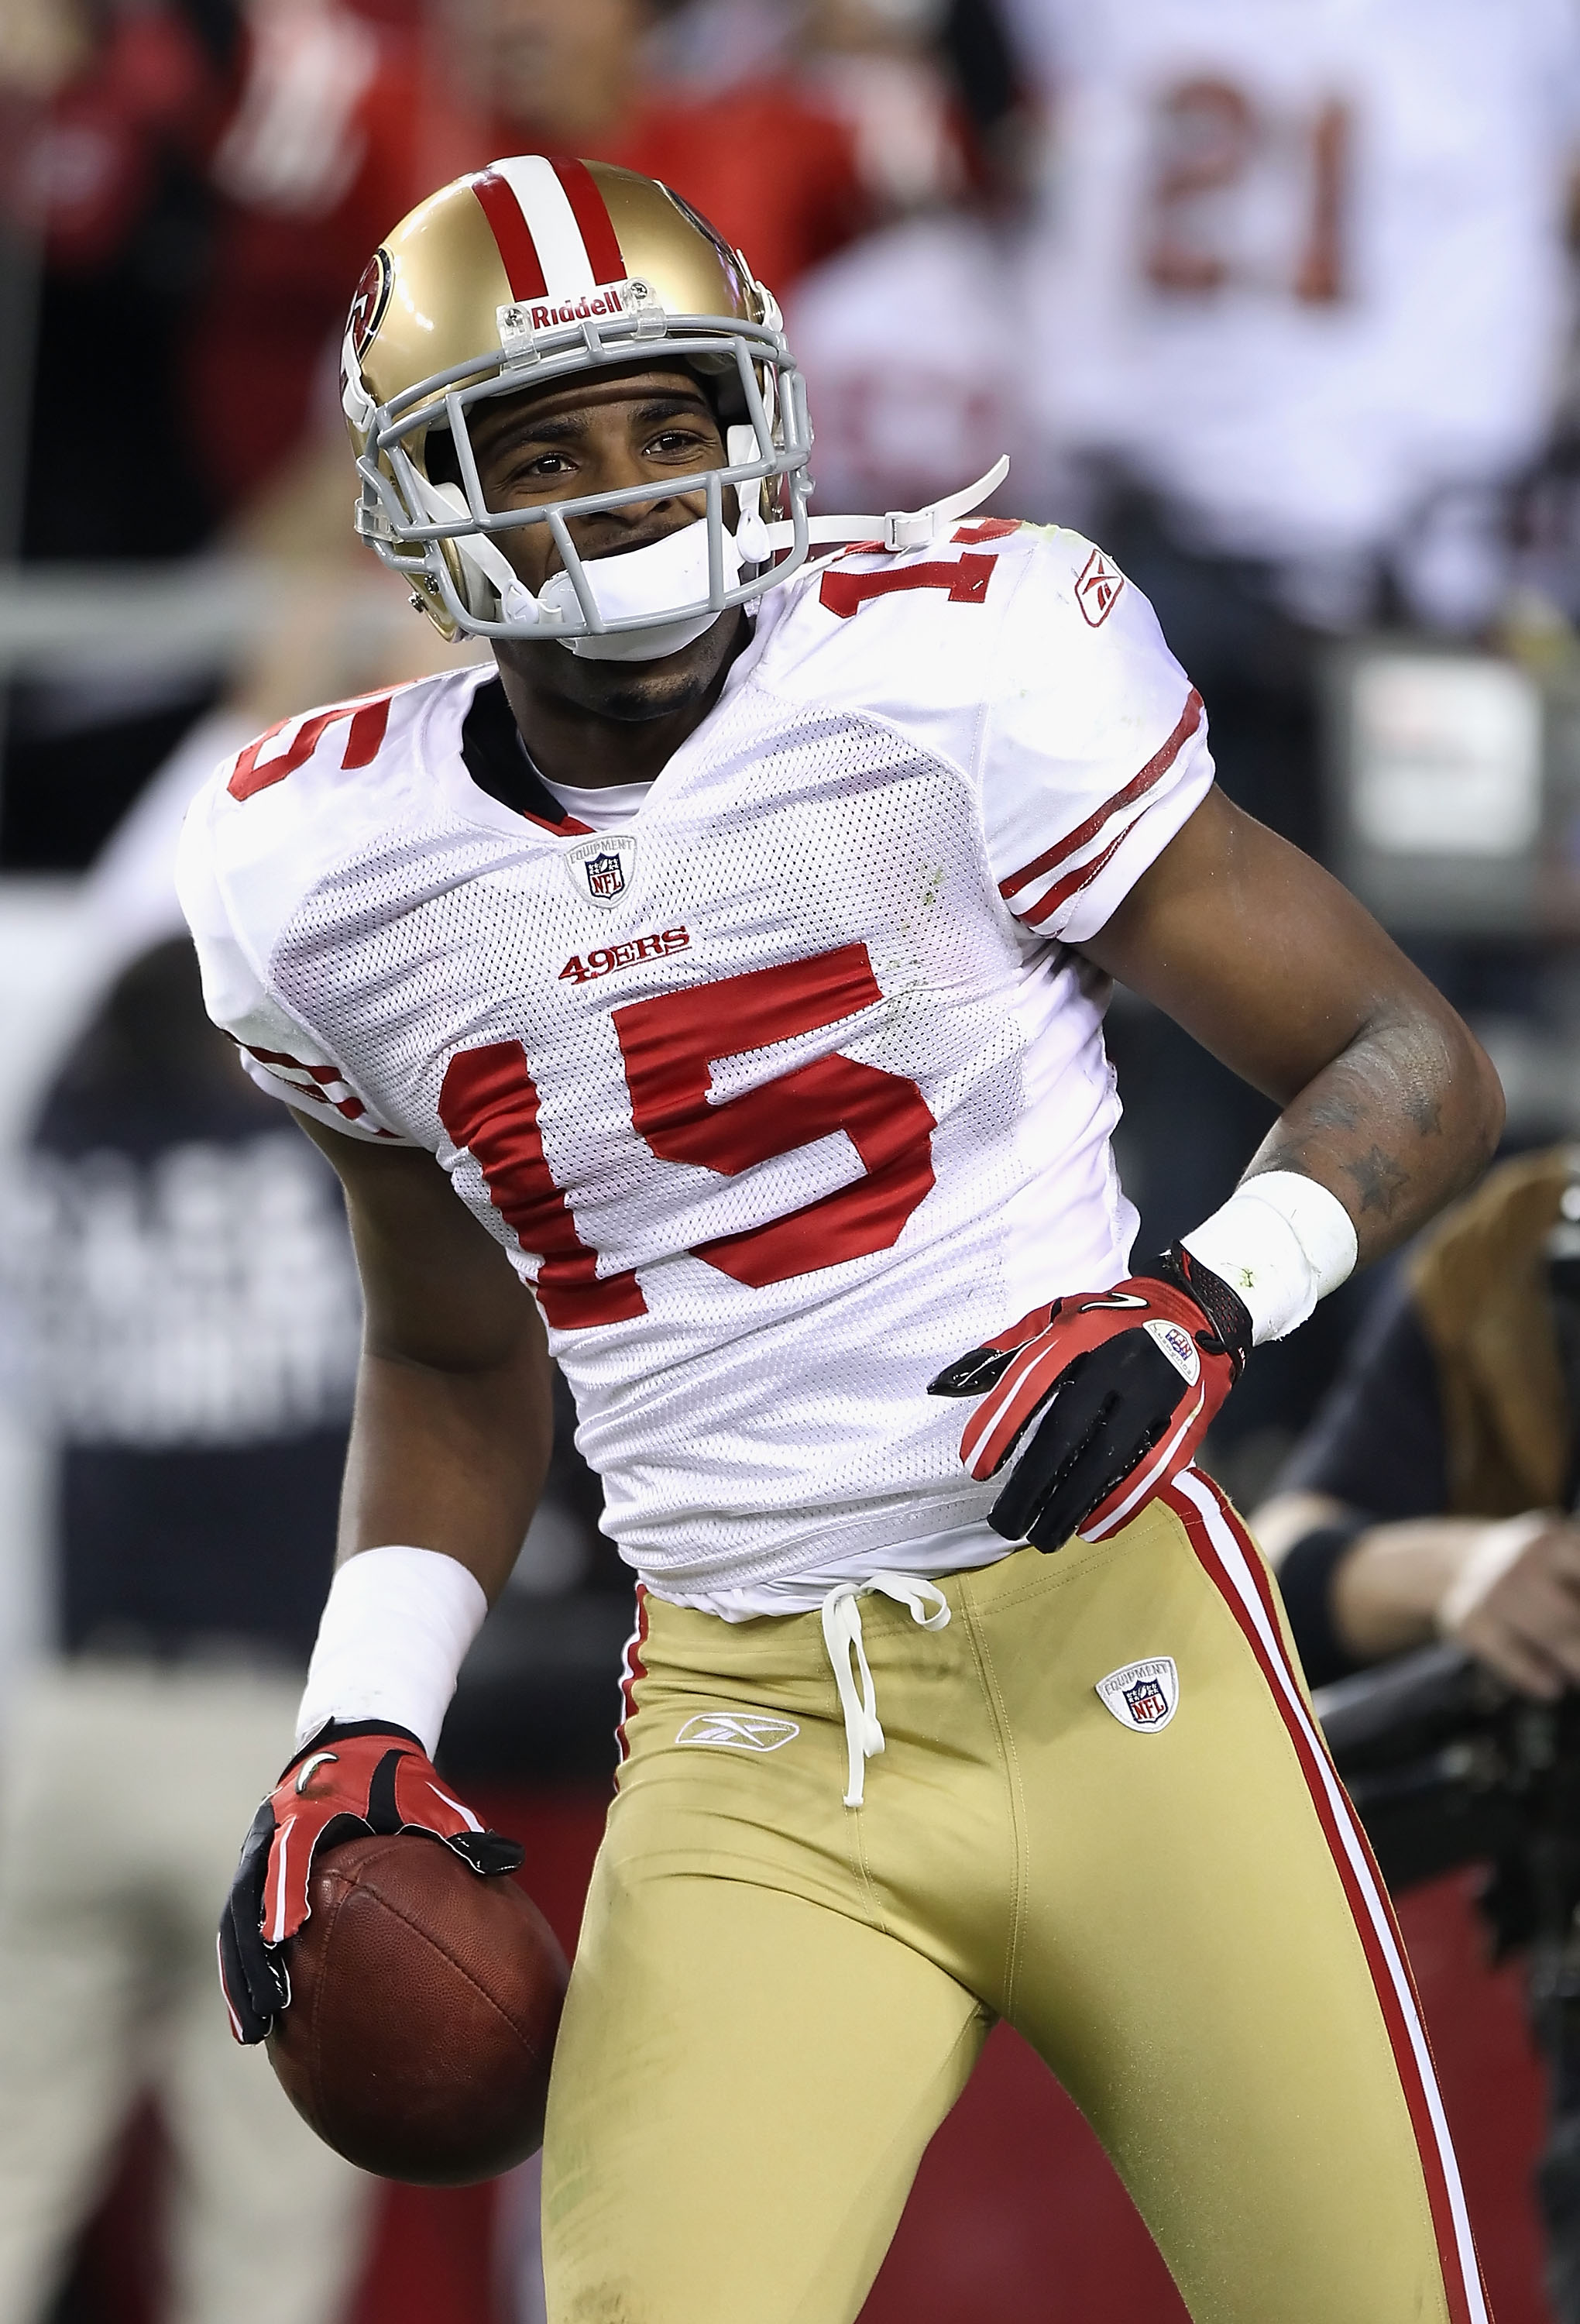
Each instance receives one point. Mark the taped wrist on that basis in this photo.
(1281, 1242)
(395, 1630)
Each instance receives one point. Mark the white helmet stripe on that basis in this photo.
(567, 271)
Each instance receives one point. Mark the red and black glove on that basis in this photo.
(359, 1777)
(1118, 1389)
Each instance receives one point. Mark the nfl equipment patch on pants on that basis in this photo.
(1102, 1812)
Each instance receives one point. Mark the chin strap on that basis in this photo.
(900, 529)
(755, 541)
(478, 553)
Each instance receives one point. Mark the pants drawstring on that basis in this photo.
(841, 1629)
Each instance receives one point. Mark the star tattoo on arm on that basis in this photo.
(1379, 1180)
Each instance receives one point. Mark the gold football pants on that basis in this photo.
(777, 1997)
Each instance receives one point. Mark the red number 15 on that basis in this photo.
(489, 1103)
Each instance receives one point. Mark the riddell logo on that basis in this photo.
(523, 316)
(544, 319)
(580, 968)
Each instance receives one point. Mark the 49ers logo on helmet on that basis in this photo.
(368, 301)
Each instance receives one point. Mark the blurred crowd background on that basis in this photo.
(1275, 298)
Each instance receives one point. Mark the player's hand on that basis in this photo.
(1515, 1602)
(1118, 1389)
(355, 1777)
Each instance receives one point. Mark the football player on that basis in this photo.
(712, 995)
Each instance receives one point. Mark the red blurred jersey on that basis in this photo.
(774, 170)
(339, 131)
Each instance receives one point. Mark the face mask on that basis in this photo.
(645, 584)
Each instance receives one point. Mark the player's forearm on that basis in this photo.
(448, 1459)
(449, 1446)
(444, 1473)
(1404, 1118)
(1389, 1102)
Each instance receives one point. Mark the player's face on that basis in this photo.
(633, 428)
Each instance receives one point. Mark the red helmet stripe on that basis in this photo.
(593, 219)
(523, 267)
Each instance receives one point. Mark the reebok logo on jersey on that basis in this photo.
(1096, 590)
(580, 968)
(1143, 1696)
(739, 1730)
(604, 868)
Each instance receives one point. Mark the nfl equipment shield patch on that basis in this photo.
(603, 870)
(1144, 1696)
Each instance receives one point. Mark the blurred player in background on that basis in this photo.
(1300, 298)
(842, 118)
(1303, 288)
(739, 955)
(186, 168)
(894, 435)
(192, 166)
(1432, 1496)
(772, 159)
(181, 1286)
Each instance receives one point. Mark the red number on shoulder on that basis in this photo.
(964, 579)
(670, 1045)
(488, 1104)
(368, 718)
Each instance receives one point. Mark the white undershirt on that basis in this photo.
(960, 1550)
(606, 809)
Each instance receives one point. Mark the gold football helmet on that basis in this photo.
(531, 269)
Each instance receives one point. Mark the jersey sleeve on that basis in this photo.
(277, 1051)
(1095, 747)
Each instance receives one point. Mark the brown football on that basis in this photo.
(424, 2003)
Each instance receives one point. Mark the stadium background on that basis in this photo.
(1375, 588)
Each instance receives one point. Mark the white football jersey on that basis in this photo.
(1304, 260)
(789, 1091)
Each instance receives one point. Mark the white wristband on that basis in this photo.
(1282, 1242)
(394, 1632)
